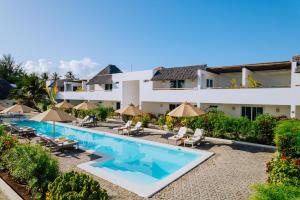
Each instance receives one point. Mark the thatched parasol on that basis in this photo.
(186, 110)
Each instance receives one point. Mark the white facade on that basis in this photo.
(278, 95)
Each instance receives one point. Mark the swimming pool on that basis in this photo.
(140, 166)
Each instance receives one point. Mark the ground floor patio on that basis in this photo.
(226, 175)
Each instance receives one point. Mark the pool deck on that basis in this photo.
(226, 175)
(2, 196)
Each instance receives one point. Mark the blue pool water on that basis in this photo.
(133, 160)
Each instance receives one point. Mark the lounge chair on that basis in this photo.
(22, 131)
(179, 136)
(65, 144)
(137, 128)
(79, 122)
(126, 127)
(90, 122)
(196, 138)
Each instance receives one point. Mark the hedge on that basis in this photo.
(74, 185)
(274, 192)
(33, 166)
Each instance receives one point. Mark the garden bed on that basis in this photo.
(20, 189)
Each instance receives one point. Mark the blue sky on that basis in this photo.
(85, 36)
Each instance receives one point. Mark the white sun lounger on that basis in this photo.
(196, 138)
(179, 136)
(80, 122)
(127, 126)
(137, 128)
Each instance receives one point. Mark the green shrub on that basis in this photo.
(273, 192)
(170, 122)
(75, 186)
(6, 142)
(161, 121)
(284, 171)
(101, 113)
(264, 128)
(2, 131)
(33, 166)
(287, 138)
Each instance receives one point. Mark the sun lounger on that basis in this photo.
(22, 131)
(90, 122)
(179, 136)
(196, 138)
(79, 122)
(126, 127)
(137, 128)
(65, 144)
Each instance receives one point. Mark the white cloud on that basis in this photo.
(84, 68)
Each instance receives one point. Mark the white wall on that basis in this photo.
(130, 93)
(268, 79)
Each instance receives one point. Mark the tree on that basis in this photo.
(45, 76)
(30, 90)
(55, 76)
(70, 75)
(9, 70)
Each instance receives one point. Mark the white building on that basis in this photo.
(240, 90)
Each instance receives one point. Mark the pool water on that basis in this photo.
(136, 161)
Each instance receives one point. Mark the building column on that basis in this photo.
(245, 73)
(199, 79)
(293, 111)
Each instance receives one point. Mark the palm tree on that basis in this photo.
(70, 75)
(55, 76)
(45, 76)
(9, 70)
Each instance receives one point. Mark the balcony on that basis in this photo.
(101, 95)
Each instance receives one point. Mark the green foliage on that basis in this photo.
(44, 105)
(103, 112)
(287, 138)
(170, 122)
(83, 113)
(9, 70)
(252, 83)
(233, 84)
(30, 90)
(31, 165)
(161, 121)
(145, 119)
(6, 142)
(284, 171)
(264, 128)
(75, 186)
(1, 130)
(273, 192)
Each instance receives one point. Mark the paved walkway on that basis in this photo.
(227, 175)
(2, 197)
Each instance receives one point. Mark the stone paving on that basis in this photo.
(226, 175)
(2, 196)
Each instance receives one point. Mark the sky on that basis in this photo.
(86, 35)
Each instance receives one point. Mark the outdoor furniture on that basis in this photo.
(137, 128)
(62, 144)
(127, 126)
(90, 122)
(22, 131)
(79, 122)
(179, 136)
(196, 138)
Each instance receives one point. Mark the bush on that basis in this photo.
(2, 130)
(170, 122)
(284, 171)
(6, 143)
(287, 138)
(264, 128)
(75, 186)
(161, 121)
(273, 192)
(33, 166)
(101, 113)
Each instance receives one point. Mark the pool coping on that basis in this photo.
(141, 191)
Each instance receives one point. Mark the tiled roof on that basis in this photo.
(5, 87)
(104, 76)
(177, 73)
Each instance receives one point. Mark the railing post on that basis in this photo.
(293, 111)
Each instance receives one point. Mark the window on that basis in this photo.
(251, 112)
(173, 106)
(209, 83)
(75, 88)
(118, 105)
(108, 86)
(177, 84)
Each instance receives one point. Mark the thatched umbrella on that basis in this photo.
(2, 107)
(54, 115)
(186, 110)
(130, 110)
(64, 105)
(18, 108)
(86, 106)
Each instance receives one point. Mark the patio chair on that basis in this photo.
(179, 136)
(196, 138)
(90, 122)
(61, 145)
(80, 122)
(137, 128)
(127, 126)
